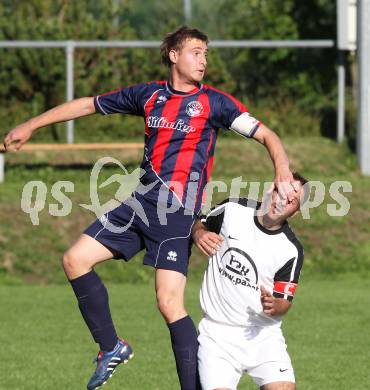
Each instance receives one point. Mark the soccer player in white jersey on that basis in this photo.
(254, 265)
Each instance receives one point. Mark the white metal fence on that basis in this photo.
(71, 46)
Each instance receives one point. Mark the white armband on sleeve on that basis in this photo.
(245, 124)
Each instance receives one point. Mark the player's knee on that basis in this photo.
(170, 306)
(69, 262)
(279, 386)
(74, 263)
(165, 303)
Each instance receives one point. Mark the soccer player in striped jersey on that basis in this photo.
(182, 118)
(253, 270)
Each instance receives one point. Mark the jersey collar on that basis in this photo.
(175, 92)
(265, 230)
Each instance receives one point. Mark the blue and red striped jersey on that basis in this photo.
(180, 133)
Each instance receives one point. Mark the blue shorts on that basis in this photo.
(139, 223)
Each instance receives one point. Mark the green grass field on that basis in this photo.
(332, 244)
(45, 345)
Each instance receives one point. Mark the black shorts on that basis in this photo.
(140, 223)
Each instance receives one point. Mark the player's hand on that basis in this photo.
(285, 184)
(273, 306)
(208, 242)
(268, 302)
(17, 137)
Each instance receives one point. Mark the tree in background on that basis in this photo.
(294, 90)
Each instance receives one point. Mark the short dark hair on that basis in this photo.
(306, 188)
(297, 176)
(175, 40)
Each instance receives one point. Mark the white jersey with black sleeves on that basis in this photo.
(250, 256)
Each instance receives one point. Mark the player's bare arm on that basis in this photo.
(273, 306)
(208, 242)
(283, 176)
(64, 112)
